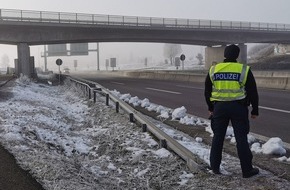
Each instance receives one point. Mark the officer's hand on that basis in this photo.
(210, 115)
(254, 116)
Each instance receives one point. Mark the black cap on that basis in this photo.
(232, 52)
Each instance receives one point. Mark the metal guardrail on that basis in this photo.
(116, 20)
(165, 140)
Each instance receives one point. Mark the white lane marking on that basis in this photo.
(274, 109)
(189, 87)
(266, 108)
(118, 83)
(160, 90)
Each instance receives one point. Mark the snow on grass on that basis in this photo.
(67, 142)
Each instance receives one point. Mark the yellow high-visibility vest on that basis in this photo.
(228, 81)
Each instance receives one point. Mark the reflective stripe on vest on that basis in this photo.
(228, 81)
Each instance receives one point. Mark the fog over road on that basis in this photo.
(274, 119)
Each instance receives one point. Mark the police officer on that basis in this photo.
(230, 88)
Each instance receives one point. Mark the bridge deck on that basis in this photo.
(98, 19)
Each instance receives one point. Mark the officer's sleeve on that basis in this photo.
(207, 92)
(252, 93)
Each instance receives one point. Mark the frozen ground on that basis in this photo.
(68, 142)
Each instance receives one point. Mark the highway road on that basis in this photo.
(274, 119)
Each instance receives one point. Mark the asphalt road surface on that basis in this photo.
(274, 119)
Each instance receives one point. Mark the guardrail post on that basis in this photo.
(107, 99)
(131, 115)
(90, 93)
(117, 107)
(95, 98)
(144, 128)
(163, 143)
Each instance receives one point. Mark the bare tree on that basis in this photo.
(171, 51)
(199, 57)
(261, 51)
(4, 61)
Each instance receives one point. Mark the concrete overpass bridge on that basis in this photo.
(25, 28)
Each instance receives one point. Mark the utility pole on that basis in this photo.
(98, 53)
(45, 58)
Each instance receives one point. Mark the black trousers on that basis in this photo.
(237, 113)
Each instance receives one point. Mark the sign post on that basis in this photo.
(182, 58)
(59, 62)
(177, 62)
(75, 64)
(113, 63)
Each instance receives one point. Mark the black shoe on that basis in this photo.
(251, 173)
(216, 172)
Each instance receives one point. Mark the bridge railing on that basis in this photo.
(97, 19)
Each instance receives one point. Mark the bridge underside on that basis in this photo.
(40, 33)
(25, 34)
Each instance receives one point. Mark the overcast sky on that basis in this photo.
(243, 10)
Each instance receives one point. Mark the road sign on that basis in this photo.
(177, 61)
(56, 50)
(182, 57)
(58, 62)
(113, 62)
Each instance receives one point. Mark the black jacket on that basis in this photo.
(250, 87)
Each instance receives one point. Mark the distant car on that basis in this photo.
(66, 70)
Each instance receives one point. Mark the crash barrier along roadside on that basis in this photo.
(273, 80)
(264, 79)
(165, 141)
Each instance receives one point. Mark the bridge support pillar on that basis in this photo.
(215, 55)
(24, 64)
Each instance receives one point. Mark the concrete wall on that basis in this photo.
(267, 81)
(216, 55)
(24, 64)
(213, 55)
(271, 73)
(163, 75)
(263, 79)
